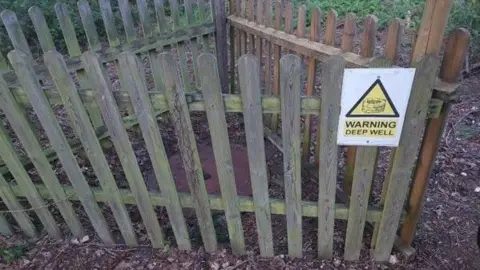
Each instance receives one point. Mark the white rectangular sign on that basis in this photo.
(373, 106)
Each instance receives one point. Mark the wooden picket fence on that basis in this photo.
(95, 111)
(266, 29)
(189, 31)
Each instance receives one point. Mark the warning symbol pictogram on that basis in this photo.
(374, 103)
(369, 114)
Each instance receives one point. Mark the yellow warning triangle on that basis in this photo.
(374, 103)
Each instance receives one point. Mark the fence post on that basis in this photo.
(221, 43)
(432, 28)
(455, 50)
(429, 40)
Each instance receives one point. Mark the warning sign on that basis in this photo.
(374, 102)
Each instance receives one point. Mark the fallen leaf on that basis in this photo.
(84, 239)
(393, 259)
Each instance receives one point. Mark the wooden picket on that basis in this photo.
(221, 147)
(188, 148)
(86, 133)
(18, 120)
(332, 76)
(290, 91)
(94, 109)
(134, 81)
(248, 69)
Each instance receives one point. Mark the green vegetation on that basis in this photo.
(20, 7)
(11, 254)
(465, 13)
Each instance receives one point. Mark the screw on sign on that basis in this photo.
(373, 105)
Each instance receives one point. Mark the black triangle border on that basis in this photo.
(379, 82)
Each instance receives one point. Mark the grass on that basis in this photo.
(465, 13)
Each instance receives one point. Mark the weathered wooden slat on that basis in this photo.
(10, 157)
(79, 118)
(221, 42)
(17, 118)
(311, 75)
(122, 145)
(205, 13)
(330, 28)
(369, 35)
(246, 204)
(188, 5)
(248, 69)
(290, 71)
(145, 20)
(89, 25)
(133, 79)
(405, 156)
(160, 14)
(367, 50)
(362, 180)
(188, 149)
(68, 30)
(243, 36)
(18, 212)
(5, 228)
(148, 29)
(234, 48)
(301, 21)
(432, 28)
(15, 33)
(221, 147)
(54, 132)
(394, 39)
(349, 30)
(332, 76)
(175, 14)
(259, 20)
(207, 46)
(276, 63)
(395, 31)
(185, 72)
(127, 20)
(250, 15)
(73, 47)
(109, 22)
(41, 28)
(269, 52)
(194, 50)
(288, 27)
